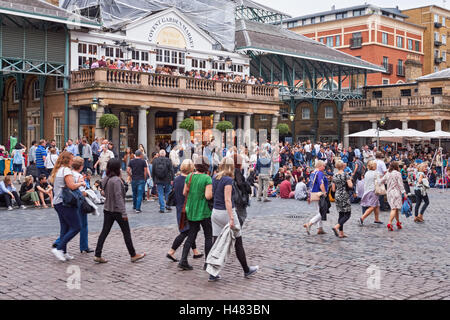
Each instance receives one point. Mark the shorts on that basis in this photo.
(17, 167)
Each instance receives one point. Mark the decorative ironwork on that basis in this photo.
(286, 93)
(17, 65)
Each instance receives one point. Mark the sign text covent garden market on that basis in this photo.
(176, 21)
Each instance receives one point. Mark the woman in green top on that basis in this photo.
(197, 211)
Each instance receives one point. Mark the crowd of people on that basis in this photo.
(211, 186)
(174, 71)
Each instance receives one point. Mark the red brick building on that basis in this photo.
(377, 35)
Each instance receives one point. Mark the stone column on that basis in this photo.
(374, 124)
(142, 133)
(151, 132)
(216, 118)
(437, 125)
(346, 133)
(247, 121)
(239, 122)
(180, 117)
(404, 124)
(275, 120)
(99, 131)
(73, 123)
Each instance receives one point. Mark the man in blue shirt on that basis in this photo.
(71, 147)
(95, 146)
(41, 154)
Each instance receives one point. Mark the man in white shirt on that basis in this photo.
(317, 147)
(367, 154)
(301, 192)
(308, 149)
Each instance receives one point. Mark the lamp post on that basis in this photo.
(94, 104)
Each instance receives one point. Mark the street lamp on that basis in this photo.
(94, 104)
(228, 61)
(291, 116)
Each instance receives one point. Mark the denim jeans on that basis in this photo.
(83, 232)
(163, 193)
(419, 199)
(138, 188)
(70, 225)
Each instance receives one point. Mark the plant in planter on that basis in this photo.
(187, 124)
(223, 126)
(283, 129)
(108, 121)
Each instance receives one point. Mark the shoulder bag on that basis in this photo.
(69, 198)
(183, 217)
(315, 196)
(380, 189)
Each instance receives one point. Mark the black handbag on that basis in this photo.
(171, 201)
(86, 207)
(69, 198)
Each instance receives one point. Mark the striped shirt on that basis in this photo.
(40, 154)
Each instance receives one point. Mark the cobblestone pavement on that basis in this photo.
(414, 263)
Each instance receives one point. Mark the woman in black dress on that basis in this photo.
(187, 166)
(341, 183)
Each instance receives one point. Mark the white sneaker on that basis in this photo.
(59, 254)
(10, 208)
(22, 207)
(68, 256)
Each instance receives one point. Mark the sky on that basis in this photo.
(297, 8)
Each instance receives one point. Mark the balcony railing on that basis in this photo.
(437, 60)
(437, 25)
(437, 43)
(388, 68)
(355, 43)
(400, 71)
(394, 104)
(154, 83)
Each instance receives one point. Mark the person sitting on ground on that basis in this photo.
(285, 187)
(272, 190)
(45, 190)
(301, 191)
(27, 192)
(8, 193)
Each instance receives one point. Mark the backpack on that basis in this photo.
(160, 169)
(239, 198)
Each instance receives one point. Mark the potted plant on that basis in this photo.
(187, 124)
(108, 121)
(222, 126)
(283, 129)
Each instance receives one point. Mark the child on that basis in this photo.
(45, 190)
(272, 190)
(97, 188)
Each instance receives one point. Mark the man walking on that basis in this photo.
(263, 168)
(41, 154)
(138, 171)
(162, 175)
(95, 147)
(86, 155)
(71, 147)
(32, 152)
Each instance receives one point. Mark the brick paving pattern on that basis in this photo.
(414, 262)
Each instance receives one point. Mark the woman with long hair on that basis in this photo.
(224, 212)
(420, 191)
(62, 177)
(370, 200)
(114, 210)
(187, 167)
(395, 193)
(341, 183)
(198, 190)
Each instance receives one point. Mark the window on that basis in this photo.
(436, 53)
(444, 39)
(57, 123)
(417, 45)
(313, 20)
(292, 24)
(341, 15)
(200, 64)
(322, 18)
(436, 18)
(284, 114)
(218, 66)
(436, 91)
(263, 117)
(385, 61)
(139, 57)
(384, 38)
(410, 44)
(338, 41)
(330, 41)
(444, 56)
(359, 12)
(385, 81)
(159, 55)
(400, 69)
(36, 91)
(443, 21)
(306, 113)
(237, 68)
(379, 94)
(171, 57)
(322, 40)
(59, 83)
(86, 52)
(436, 36)
(167, 56)
(405, 93)
(303, 22)
(15, 94)
(399, 42)
(329, 112)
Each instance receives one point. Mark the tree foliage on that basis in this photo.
(222, 126)
(109, 120)
(283, 129)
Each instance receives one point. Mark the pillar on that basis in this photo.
(180, 117)
(346, 133)
(275, 120)
(404, 124)
(239, 122)
(437, 125)
(99, 131)
(142, 133)
(151, 132)
(247, 121)
(374, 124)
(73, 123)
(216, 118)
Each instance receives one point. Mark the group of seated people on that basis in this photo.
(38, 191)
(198, 74)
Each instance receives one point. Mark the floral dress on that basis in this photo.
(395, 189)
(342, 197)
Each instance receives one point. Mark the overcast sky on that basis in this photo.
(297, 8)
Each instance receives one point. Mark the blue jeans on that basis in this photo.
(163, 193)
(83, 232)
(138, 188)
(70, 225)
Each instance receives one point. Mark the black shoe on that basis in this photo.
(88, 250)
(213, 279)
(161, 211)
(185, 266)
(378, 222)
(198, 256)
(171, 258)
(54, 245)
(204, 266)
(168, 208)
